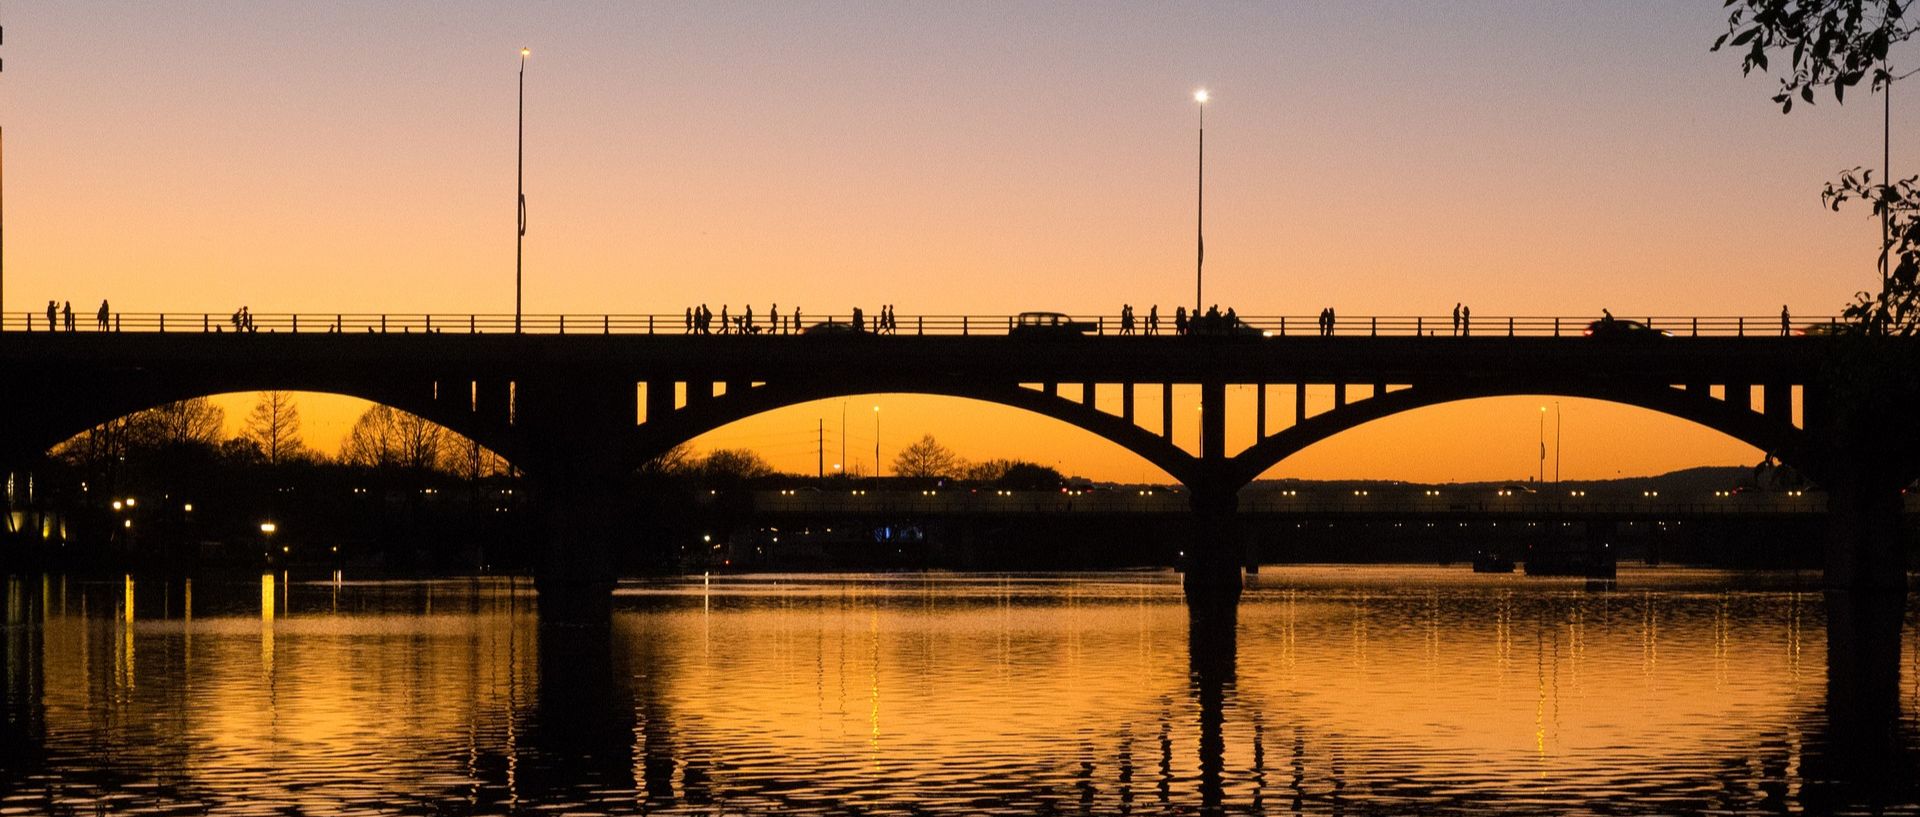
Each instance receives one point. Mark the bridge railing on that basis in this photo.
(785, 324)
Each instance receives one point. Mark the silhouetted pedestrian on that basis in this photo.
(1605, 316)
(66, 315)
(796, 319)
(773, 314)
(1786, 322)
(725, 322)
(101, 319)
(1180, 320)
(53, 316)
(1456, 319)
(689, 320)
(1466, 320)
(1153, 319)
(746, 321)
(859, 320)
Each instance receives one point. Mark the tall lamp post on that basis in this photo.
(1200, 210)
(519, 185)
(876, 442)
(1543, 444)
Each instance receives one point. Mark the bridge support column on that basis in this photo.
(575, 432)
(1212, 577)
(1866, 547)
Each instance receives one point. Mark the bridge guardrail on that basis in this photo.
(677, 324)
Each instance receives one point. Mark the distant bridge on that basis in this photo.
(580, 410)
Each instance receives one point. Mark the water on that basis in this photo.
(1355, 691)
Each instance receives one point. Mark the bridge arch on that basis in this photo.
(1777, 437)
(658, 435)
(65, 417)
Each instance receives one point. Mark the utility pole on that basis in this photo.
(1556, 442)
(844, 465)
(820, 448)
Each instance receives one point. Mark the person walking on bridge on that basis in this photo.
(1466, 320)
(1456, 319)
(101, 319)
(1153, 319)
(53, 313)
(66, 315)
(1786, 321)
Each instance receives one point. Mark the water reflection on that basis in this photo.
(1347, 691)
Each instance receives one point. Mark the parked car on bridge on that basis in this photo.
(1618, 329)
(1217, 327)
(831, 327)
(1822, 329)
(1048, 325)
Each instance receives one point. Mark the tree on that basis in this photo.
(274, 425)
(1838, 44)
(386, 437)
(1830, 43)
(734, 465)
(927, 458)
(1018, 475)
(186, 422)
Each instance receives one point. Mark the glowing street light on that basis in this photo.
(269, 528)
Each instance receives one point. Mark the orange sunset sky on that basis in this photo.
(1379, 157)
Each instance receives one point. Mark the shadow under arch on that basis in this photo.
(658, 435)
(1776, 437)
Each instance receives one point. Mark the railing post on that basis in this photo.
(1419, 326)
(1509, 327)
(1009, 324)
(649, 324)
(1283, 326)
(1743, 326)
(383, 324)
(1696, 327)
(296, 323)
(920, 325)
(1556, 326)
(1373, 327)
(203, 322)
(163, 322)
(1102, 326)
(116, 322)
(470, 324)
(963, 325)
(563, 324)
(606, 324)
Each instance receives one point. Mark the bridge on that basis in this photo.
(577, 402)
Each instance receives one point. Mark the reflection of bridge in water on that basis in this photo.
(578, 411)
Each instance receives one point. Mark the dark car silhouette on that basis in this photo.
(1617, 329)
(1048, 325)
(832, 328)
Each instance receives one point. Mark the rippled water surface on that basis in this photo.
(1352, 690)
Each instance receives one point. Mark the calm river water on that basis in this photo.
(1355, 691)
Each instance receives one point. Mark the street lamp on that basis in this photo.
(1543, 444)
(519, 185)
(876, 442)
(1200, 210)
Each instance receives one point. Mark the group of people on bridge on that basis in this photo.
(60, 316)
(701, 321)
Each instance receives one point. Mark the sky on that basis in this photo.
(1542, 158)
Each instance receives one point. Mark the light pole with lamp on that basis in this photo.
(519, 185)
(1200, 209)
(876, 442)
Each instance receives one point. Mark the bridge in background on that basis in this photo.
(578, 411)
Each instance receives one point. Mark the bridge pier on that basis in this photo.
(1866, 547)
(576, 464)
(1211, 581)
